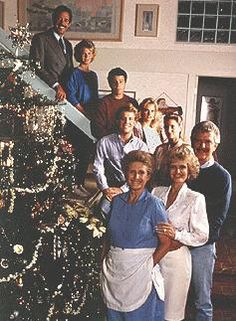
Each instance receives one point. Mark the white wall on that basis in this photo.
(157, 64)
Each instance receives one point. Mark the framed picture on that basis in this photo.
(92, 19)
(146, 20)
(104, 92)
(2, 14)
(211, 109)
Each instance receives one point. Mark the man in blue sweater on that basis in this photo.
(214, 182)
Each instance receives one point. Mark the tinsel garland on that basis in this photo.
(50, 245)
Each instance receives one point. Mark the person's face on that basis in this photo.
(149, 112)
(172, 130)
(126, 123)
(87, 56)
(62, 23)
(162, 103)
(204, 146)
(178, 171)
(137, 176)
(118, 85)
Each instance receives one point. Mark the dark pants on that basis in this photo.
(83, 150)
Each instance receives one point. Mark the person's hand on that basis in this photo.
(60, 93)
(175, 245)
(164, 240)
(110, 192)
(166, 229)
(80, 108)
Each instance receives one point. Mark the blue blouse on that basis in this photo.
(133, 225)
(82, 88)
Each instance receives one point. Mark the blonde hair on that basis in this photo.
(184, 153)
(126, 108)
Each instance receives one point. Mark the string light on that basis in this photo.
(36, 179)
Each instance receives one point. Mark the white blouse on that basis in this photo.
(152, 137)
(187, 214)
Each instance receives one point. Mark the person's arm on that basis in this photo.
(73, 86)
(198, 232)
(99, 166)
(162, 249)
(159, 216)
(38, 56)
(99, 123)
(219, 206)
(105, 247)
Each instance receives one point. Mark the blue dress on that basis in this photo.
(132, 226)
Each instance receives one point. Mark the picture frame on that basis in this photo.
(104, 92)
(146, 20)
(94, 20)
(211, 108)
(2, 14)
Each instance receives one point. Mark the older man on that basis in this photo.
(110, 152)
(214, 182)
(54, 52)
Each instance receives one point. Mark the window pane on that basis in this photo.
(233, 37)
(198, 7)
(195, 35)
(196, 21)
(210, 22)
(233, 25)
(234, 8)
(183, 21)
(224, 8)
(211, 7)
(223, 22)
(209, 36)
(184, 7)
(222, 37)
(182, 35)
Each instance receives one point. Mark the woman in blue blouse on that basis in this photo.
(82, 92)
(129, 266)
(82, 87)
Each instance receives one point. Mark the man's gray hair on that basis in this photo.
(206, 126)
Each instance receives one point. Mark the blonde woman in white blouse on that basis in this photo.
(188, 226)
(147, 126)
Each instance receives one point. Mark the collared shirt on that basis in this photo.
(208, 163)
(58, 38)
(56, 35)
(107, 164)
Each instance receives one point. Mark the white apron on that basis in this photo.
(127, 278)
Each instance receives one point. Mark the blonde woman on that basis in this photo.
(147, 127)
(187, 226)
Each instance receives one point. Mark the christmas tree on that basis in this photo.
(49, 243)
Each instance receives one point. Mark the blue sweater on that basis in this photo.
(82, 88)
(215, 184)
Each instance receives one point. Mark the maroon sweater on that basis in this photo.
(104, 122)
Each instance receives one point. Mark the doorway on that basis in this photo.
(216, 100)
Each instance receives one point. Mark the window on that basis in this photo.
(206, 21)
